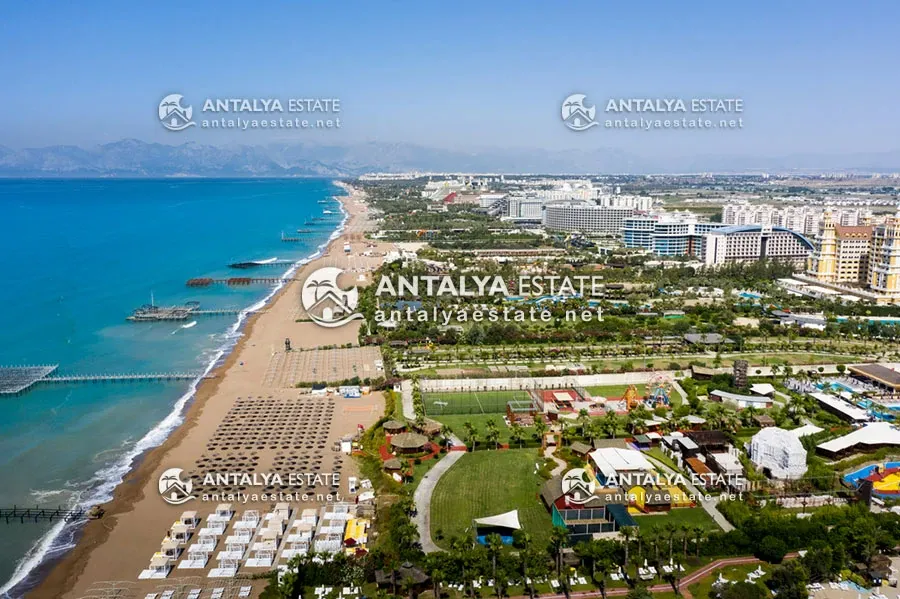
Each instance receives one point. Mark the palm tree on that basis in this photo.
(516, 434)
(446, 434)
(685, 531)
(493, 433)
(540, 427)
(559, 538)
(584, 417)
(494, 545)
(627, 533)
(471, 434)
(669, 533)
(603, 570)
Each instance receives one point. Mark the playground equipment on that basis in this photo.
(658, 390)
(631, 397)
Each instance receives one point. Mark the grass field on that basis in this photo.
(456, 422)
(691, 516)
(487, 483)
(702, 587)
(614, 390)
(470, 402)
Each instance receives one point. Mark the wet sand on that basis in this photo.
(119, 545)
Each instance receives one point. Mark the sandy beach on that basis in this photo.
(242, 418)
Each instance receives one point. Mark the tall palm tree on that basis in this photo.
(559, 539)
(471, 434)
(627, 533)
(494, 545)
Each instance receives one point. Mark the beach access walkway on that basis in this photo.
(422, 498)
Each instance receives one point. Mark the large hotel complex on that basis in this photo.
(842, 246)
(866, 256)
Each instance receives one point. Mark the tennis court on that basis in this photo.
(471, 402)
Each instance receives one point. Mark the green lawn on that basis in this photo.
(615, 390)
(702, 587)
(691, 516)
(457, 423)
(486, 483)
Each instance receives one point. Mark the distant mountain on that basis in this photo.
(134, 158)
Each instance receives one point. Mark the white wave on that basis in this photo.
(60, 537)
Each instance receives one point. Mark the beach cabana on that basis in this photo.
(282, 511)
(393, 465)
(160, 566)
(502, 524)
(227, 569)
(249, 521)
(309, 515)
(263, 555)
(197, 558)
(180, 533)
(171, 548)
(223, 513)
(393, 427)
(409, 443)
(190, 520)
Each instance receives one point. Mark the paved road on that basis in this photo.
(422, 499)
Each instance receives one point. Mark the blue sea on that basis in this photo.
(78, 257)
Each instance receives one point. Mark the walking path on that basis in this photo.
(560, 465)
(422, 499)
(708, 506)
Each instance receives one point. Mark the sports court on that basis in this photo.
(471, 402)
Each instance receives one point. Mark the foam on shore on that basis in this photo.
(101, 486)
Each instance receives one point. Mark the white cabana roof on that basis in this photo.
(805, 430)
(762, 389)
(612, 460)
(507, 520)
(877, 433)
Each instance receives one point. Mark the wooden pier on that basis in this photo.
(233, 281)
(121, 378)
(15, 380)
(43, 514)
(260, 264)
(18, 379)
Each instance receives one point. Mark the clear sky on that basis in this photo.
(814, 76)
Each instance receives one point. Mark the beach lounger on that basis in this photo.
(245, 591)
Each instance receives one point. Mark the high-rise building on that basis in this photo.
(842, 252)
(884, 271)
(585, 217)
(668, 234)
(750, 243)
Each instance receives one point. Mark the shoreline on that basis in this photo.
(57, 575)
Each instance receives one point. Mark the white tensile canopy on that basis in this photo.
(507, 520)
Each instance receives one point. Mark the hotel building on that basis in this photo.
(750, 243)
(866, 256)
(668, 235)
(585, 217)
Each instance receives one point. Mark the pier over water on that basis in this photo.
(18, 379)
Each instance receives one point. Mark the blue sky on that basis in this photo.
(814, 76)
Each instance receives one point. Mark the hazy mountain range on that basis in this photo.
(135, 158)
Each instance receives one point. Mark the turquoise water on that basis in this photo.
(78, 256)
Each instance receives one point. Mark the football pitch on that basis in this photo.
(471, 402)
